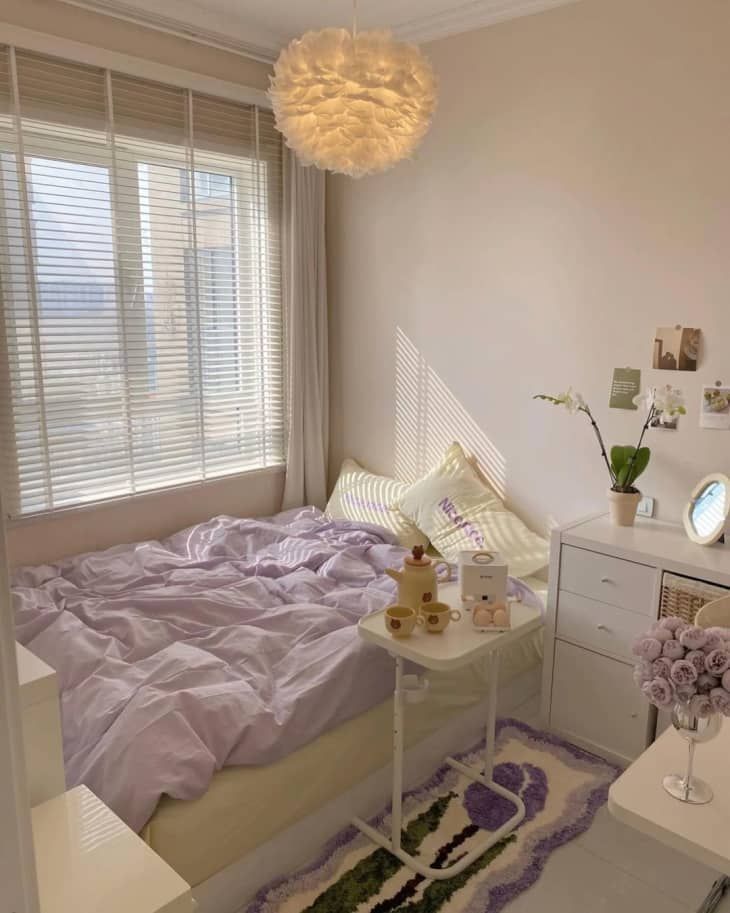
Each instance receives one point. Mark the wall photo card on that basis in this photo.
(715, 411)
(665, 422)
(676, 348)
(625, 386)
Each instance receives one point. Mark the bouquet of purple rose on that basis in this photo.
(681, 663)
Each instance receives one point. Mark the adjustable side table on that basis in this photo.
(459, 645)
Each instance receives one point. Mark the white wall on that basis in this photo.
(573, 195)
(66, 21)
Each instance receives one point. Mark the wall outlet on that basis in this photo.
(646, 507)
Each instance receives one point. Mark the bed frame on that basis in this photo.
(231, 889)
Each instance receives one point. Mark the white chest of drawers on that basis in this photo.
(605, 589)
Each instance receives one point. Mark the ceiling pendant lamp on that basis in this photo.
(354, 103)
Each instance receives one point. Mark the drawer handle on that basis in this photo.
(606, 580)
(602, 628)
(634, 716)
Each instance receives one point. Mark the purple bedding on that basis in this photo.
(232, 642)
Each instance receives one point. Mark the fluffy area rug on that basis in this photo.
(562, 788)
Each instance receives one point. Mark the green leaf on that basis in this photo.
(620, 456)
(627, 472)
(550, 399)
(640, 463)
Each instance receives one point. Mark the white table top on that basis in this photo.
(460, 644)
(89, 861)
(702, 832)
(655, 543)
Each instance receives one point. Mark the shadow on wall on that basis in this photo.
(428, 418)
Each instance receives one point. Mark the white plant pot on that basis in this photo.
(622, 507)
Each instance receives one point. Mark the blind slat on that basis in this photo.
(140, 238)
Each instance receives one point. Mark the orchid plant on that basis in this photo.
(627, 463)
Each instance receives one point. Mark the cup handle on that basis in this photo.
(445, 575)
(420, 620)
(455, 615)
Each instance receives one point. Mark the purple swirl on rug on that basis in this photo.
(489, 811)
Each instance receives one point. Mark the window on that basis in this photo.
(207, 186)
(141, 331)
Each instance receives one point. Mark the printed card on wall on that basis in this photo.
(676, 348)
(715, 411)
(626, 385)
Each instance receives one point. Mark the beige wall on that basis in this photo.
(153, 515)
(56, 18)
(149, 516)
(573, 194)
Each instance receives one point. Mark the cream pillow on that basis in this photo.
(459, 512)
(360, 495)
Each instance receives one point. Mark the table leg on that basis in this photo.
(485, 777)
(719, 889)
(398, 724)
(490, 734)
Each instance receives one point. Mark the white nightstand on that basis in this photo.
(605, 590)
(459, 645)
(89, 861)
(639, 800)
(41, 715)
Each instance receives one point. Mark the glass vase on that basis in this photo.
(694, 729)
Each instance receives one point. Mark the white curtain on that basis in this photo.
(305, 302)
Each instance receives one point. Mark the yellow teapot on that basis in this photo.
(418, 581)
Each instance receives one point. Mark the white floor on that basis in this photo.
(614, 869)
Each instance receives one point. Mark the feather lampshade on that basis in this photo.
(352, 103)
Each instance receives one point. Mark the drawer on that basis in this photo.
(601, 627)
(621, 583)
(594, 700)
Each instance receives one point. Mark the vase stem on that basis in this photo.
(686, 787)
(690, 766)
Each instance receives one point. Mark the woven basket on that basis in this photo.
(684, 596)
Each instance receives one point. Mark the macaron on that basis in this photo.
(501, 619)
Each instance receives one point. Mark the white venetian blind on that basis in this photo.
(139, 283)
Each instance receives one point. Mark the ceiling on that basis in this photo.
(260, 28)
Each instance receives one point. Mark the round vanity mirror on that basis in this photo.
(706, 515)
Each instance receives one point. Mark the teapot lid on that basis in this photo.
(417, 558)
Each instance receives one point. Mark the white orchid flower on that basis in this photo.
(669, 401)
(572, 401)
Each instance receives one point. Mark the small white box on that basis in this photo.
(483, 577)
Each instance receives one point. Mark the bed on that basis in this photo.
(214, 688)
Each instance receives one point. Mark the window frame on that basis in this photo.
(239, 170)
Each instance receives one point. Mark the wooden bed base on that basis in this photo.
(231, 889)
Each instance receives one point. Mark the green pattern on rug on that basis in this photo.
(367, 878)
(438, 892)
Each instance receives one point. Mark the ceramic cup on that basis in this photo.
(437, 615)
(400, 620)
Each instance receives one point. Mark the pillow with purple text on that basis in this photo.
(360, 495)
(459, 512)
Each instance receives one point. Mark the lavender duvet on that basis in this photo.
(232, 642)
